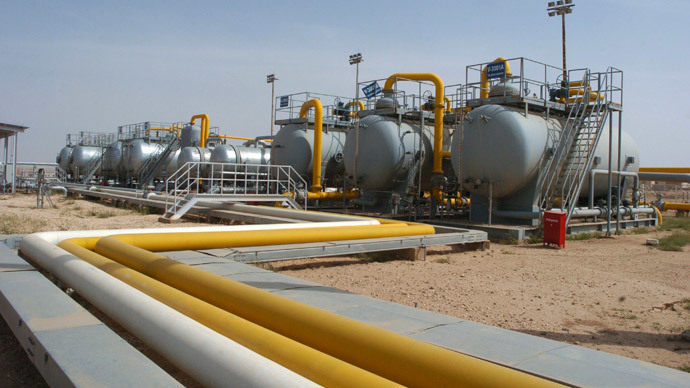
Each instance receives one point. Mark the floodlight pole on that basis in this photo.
(561, 7)
(565, 72)
(356, 59)
(271, 79)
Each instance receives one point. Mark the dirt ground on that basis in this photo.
(612, 294)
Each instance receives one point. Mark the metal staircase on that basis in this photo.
(92, 167)
(153, 165)
(230, 182)
(565, 171)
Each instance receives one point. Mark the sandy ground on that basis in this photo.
(617, 295)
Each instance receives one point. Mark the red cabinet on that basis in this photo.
(554, 228)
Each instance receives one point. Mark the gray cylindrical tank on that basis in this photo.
(386, 152)
(170, 165)
(112, 160)
(63, 158)
(190, 136)
(629, 153)
(293, 146)
(195, 154)
(502, 146)
(81, 157)
(241, 155)
(135, 153)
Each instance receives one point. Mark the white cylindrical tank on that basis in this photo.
(387, 151)
(136, 152)
(81, 157)
(293, 146)
(112, 160)
(63, 158)
(170, 165)
(502, 146)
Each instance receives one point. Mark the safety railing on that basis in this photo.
(232, 180)
(530, 78)
(149, 130)
(335, 108)
(93, 139)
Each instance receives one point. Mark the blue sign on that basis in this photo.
(372, 90)
(284, 101)
(496, 70)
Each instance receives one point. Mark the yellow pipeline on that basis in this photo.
(359, 103)
(318, 128)
(204, 128)
(671, 206)
(396, 357)
(672, 170)
(448, 103)
(332, 195)
(659, 218)
(310, 363)
(438, 114)
(484, 84)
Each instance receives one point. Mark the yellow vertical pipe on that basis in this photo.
(317, 366)
(438, 115)
(318, 128)
(484, 85)
(204, 128)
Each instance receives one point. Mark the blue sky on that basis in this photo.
(69, 66)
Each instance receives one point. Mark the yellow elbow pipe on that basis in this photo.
(204, 128)
(396, 357)
(318, 128)
(448, 103)
(358, 103)
(317, 366)
(438, 115)
(484, 84)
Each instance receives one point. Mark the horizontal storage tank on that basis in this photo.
(293, 146)
(81, 157)
(386, 153)
(241, 155)
(195, 155)
(502, 146)
(630, 161)
(136, 152)
(170, 165)
(112, 160)
(63, 158)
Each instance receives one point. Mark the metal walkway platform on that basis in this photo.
(444, 236)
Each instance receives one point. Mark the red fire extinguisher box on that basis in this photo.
(554, 228)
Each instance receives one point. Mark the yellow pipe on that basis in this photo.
(350, 194)
(352, 103)
(484, 84)
(396, 357)
(438, 115)
(204, 128)
(677, 206)
(234, 137)
(658, 215)
(445, 154)
(317, 366)
(672, 170)
(448, 103)
(318, 127)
